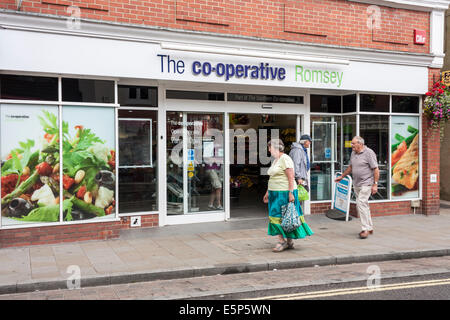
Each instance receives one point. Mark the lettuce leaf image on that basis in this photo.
(49, 213)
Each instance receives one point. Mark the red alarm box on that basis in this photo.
(420, 36)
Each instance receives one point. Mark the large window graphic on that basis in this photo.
(30, 165)
(32, 188)
(89, 179)
(404, 157)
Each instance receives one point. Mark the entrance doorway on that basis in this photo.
(195, 157)
(250, 159)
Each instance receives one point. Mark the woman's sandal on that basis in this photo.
(281, 246)
(290, 244)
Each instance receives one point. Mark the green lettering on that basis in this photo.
(340, 78)
(333, 77)
(326, 77)
(315, 76)
(298, 73)
(309, 75)
(318, 76)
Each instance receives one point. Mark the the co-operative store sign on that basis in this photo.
(257, 71)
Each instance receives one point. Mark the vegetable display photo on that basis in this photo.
(30, 169)
(404, 157)
(89, 161)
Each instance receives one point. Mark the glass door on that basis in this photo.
(325, 155)
(195, 162)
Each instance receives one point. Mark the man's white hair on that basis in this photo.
(359, 139)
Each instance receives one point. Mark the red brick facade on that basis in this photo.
(325, 22)
(431, 158)
(330, 22)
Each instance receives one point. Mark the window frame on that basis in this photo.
(142, 213)
(390, 114)
(60, 104)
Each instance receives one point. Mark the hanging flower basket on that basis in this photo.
(437, 107)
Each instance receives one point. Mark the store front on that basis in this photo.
(178, 135)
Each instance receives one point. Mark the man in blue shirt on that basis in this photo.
(299, 155)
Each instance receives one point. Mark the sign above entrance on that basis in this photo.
(316, 76)
(142, 60)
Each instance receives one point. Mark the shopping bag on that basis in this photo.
(302, 193)
(290, 220)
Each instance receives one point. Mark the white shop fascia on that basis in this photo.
(37, 44)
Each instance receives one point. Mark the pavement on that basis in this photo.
(220, 248)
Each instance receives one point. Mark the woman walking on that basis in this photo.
(282, 189)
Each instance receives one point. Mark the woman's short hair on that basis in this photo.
(277, 144)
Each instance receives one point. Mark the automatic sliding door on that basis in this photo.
(195, 158)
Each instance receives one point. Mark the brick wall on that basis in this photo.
(430, 158)
(376, 209)
(70, 233)
(332, 22)
(320, 208)
(147, 221)
(386, 209)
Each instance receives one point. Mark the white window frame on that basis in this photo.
(146, 83)
(227, 107)
(60, 104)
(358, 113)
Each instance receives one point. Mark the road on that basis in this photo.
(426, 278)
(434, 287)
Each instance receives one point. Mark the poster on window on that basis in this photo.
(404, 157)
(89, 180)
(30, 165)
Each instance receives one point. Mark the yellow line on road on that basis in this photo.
(348, 291)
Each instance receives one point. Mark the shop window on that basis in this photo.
(30, 169)
(325, 155)
(374, 103)
(264, 98)
(138, 96)
(195, 95)
(87, 90)
(28, 88)
(349, 103)
(325, 104)
(374, 129)
(348, 132)
(89, 162)
(29, 162)
(405, 166)
(405, 104)
(138, 150)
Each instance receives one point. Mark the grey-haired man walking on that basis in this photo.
(299, 155)
(364, 169)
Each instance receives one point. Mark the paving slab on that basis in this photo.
(231, 247)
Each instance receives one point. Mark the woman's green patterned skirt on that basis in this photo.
(278, 199)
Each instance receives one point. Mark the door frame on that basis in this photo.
(301, 111)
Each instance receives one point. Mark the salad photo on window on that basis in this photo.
(31, 174)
